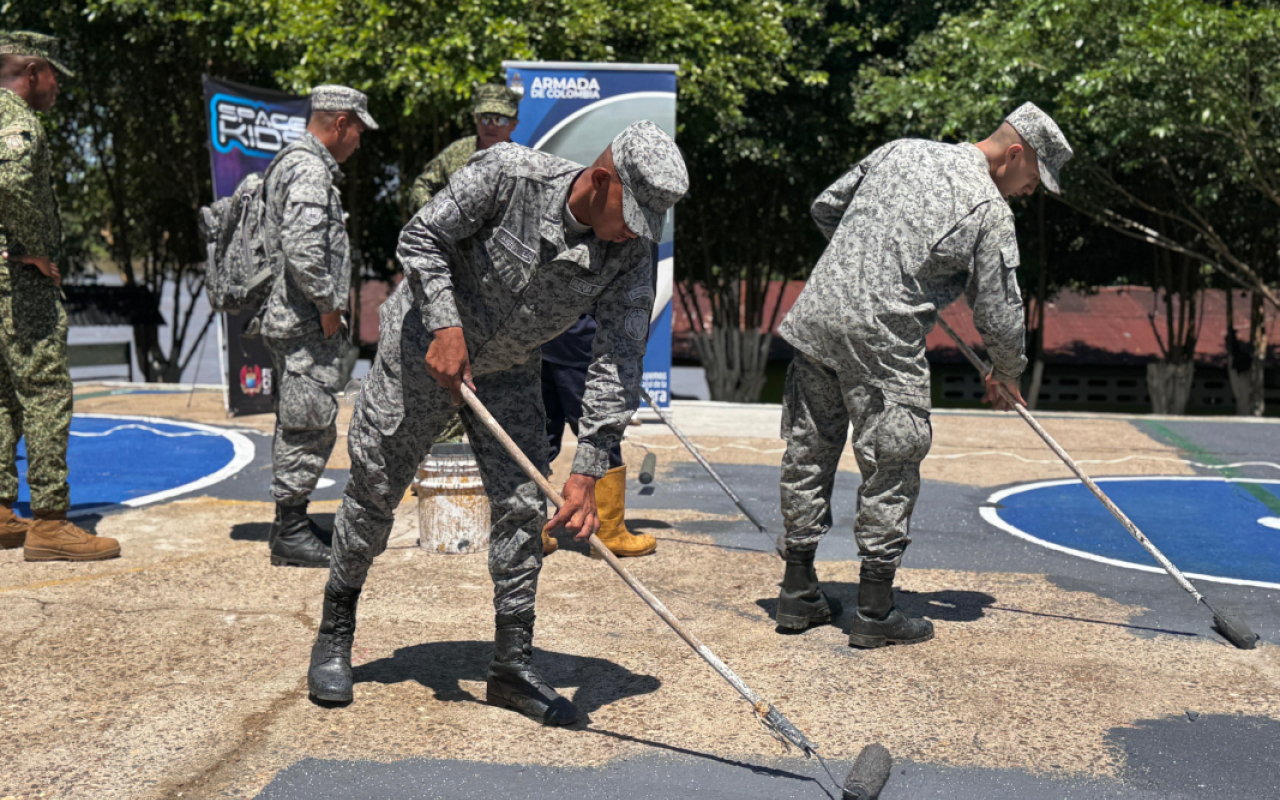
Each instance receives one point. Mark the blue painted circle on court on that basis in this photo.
(116, 460)
(1215, 528)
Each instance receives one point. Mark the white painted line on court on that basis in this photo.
(992, 516)
(243, 452)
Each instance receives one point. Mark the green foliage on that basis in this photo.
(1169, 104)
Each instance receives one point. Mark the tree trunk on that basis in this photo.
(1042, 299)
(1169, 385)
(1248, 376)
(734, 361)
(1037, 378)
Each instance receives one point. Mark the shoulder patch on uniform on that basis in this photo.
(446, 217)
(514, 246)
(584, 287)
(640, 293)
(15, 143)
(636, 324)
(312, 215)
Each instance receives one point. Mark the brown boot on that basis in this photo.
(57, 539)
(611, 504)
(13, 528)
(549, 544)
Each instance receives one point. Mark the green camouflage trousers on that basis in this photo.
(889, 442)
(35, 386)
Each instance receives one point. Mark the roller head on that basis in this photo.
(869, 773)
(647, 468)
(1235, 630)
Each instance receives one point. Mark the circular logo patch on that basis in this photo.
(637, 324)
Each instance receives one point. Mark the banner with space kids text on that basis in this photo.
(247, 127)
(574, 110)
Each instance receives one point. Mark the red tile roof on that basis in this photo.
(1109, 326)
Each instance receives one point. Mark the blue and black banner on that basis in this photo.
(247, 127)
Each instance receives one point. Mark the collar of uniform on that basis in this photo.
(310, 142)
(588, 253)
(979, 160)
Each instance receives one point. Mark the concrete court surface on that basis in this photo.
(179, 669)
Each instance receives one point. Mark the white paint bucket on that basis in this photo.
(453, 508)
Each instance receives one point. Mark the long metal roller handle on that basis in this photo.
(768, 715)
(666, 418)
(1022, 410)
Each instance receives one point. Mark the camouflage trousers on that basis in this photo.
(400, 412)
(889, 442)
(307, 371)
(35, 386)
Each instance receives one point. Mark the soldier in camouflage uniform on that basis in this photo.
(35, 385)
(493, 269)
(912, 227)
(302, 323)
(496, 110)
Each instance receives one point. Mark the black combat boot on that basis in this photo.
(293, 539)
(330, 675)
(514, 684)
(878, 623)
(802, 603)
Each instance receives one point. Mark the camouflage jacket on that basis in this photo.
(911, 227)
(29, 222)
(437, 174)
(489, 253)
(305, 206)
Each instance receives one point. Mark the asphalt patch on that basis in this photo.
(662, 777)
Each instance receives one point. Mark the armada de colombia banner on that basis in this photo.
(247, 127)
(574, 110)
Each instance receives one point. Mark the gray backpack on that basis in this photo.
(241, 265)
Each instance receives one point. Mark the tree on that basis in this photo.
(129, 138)
(1170, 105)
(418, 62)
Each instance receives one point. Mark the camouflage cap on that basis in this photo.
(495, 98)
(1044, 136)
(331, 97)
(653, 176)
(26, 43)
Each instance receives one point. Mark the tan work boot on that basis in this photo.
(611, 505)
(13, 528)
(549, 544)
(59, 540)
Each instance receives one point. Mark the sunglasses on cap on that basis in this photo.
(500, 120)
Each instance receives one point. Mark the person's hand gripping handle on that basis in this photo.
(449, 363)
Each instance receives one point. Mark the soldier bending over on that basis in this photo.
(493, 269)
(912, 226)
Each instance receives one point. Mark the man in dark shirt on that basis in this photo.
(565, 360)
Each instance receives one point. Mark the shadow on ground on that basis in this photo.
(258, 531)
(441, 666)
(950, 605)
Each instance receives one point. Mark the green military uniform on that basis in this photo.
(490, 98)
(35, 385)
(436, 176)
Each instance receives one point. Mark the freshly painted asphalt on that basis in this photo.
(1175, 758)
(1187, 756)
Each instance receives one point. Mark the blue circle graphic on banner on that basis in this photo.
(1217, 529)
(122, 460)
